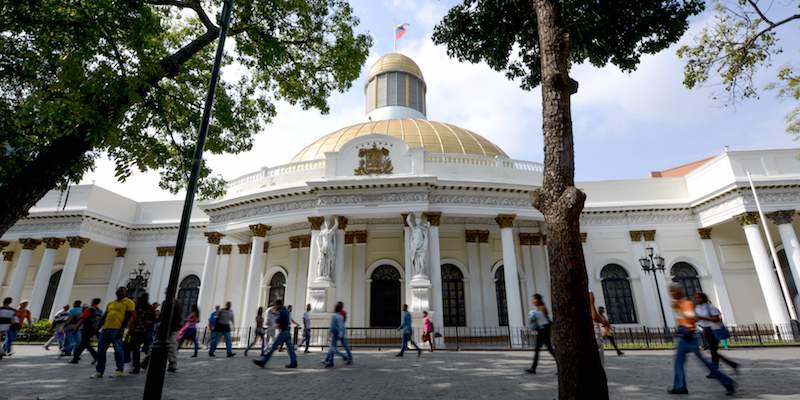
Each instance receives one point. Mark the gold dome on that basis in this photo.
(394, 62)
(434, 137)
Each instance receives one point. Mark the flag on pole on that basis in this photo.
(400, 30)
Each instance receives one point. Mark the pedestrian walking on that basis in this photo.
(335, 333)
(598, 329)
(687, 342)
(88, 325)
(427, 330)
(8, 316)
(259, 332)
(283, 323)
(58, 324)
(222, 327)
(188, 332)
(173, 327)
(272, 325)
(408, 331)
(709, 319)
(72, 336)
(343, 337)
(307, 328)
(539, 321)
(212, 321)
(140, 330)
(21, 314)
(116, 317)
(607, 330)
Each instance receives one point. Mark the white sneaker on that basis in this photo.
(118, 374)
(96, 375)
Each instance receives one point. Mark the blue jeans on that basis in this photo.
(687, 343)
(215, 340)
(11, 335)
(307, 337)
(406, 340)
(111, 337)
(346, 346)
(72, 341)
(283, 337)
(333, 350)
(190, 336)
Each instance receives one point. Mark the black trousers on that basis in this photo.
(85, 344)
(137, 345)
(613, 342)
(713, 348)
(542, 339)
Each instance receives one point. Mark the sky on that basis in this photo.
(625, 124)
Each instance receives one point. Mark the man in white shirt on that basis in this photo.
(307, 328)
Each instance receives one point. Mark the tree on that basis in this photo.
(537, 41)
(128, 78)
(741, 40)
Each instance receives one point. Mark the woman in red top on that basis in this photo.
(427, 330)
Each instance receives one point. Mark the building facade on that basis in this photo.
(401, 209)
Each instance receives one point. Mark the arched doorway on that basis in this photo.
(618, 295)
(277, 287)
(50, 296)
(500, 292)
(455, 309)
(188, 290)
(685, 274)
(384, 297)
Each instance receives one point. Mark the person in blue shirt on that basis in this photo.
(336, 332)
(408, 330)
(284, 337)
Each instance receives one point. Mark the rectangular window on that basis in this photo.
(392, 92)
(371, 95)
(381, 91)
(414, 89)
(401, 90)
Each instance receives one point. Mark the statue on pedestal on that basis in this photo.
(418, 245)
(326, 250)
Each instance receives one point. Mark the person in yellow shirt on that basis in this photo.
(113, 325)
(686, 343)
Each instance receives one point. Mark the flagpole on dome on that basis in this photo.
(399, 32)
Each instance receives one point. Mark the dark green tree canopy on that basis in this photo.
(503, 34)
(130, 77)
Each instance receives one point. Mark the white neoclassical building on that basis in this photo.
(333, 224)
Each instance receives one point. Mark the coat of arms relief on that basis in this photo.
(374, 161)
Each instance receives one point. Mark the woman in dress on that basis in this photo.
(427, 330)
(259, 332)
(189, 330)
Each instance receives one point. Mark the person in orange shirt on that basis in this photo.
(686, 342)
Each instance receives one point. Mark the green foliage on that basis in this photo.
(40, 329)
(504, 33)
(740, 42)
(131, 77)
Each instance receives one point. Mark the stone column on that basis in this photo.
(651, 316)
(506, 223)
(300, 286)
(64, 290)
(341, 273)
(359, 240)
(317, 305)
(20, 273)
(43, 275)
(407, 267)
(525, 242)
(783, 219)
(220, 278)
(254, 273)
(721, 297)
(764, 269)
(486, 253)
(8, 256)
(161, 294)
(541, 267)
(115, 280)
(207, 276)
(154, 283)
(434, 218)
(476, 294)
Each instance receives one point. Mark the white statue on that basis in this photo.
(418, 245)
(326, 249)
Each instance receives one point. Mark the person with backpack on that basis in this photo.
(59, 321)
(284, 322)
(89, 325)
(72, 335)
(709, 319)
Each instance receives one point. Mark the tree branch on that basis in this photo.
(759, 12)
(193, 5)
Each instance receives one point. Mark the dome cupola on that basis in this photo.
(395, 89)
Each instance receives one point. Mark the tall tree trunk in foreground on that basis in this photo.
(580, 373)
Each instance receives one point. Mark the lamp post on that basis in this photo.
(652, 262)
(137, 280)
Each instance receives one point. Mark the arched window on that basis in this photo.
(685, 275)
(50, 296)
(455, 309)
(618, 295)
(384, 297)
(500, 292)
(277, 287)
(188, 291)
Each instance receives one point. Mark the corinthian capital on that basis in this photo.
(782, 217)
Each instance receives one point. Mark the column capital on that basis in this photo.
(649, 236)
(471, 236)
(525, 239)
(747, 218)
(505, 220)
(265, 249)
(538, 239)
(781, 217)
(299, 241)
(30, 243)
(225, 249)
(77, 242)
(584, 236)
(8, 255)
(213, 237)
(705, 233)
(483, 236)
(316, 222)
(305, 240)
(294, 242)
(4, 244)
(636, 236)
(342, 222)
(360, 237)
(434, 218)
(120, 252)
(349, 237)
(163, 251)
(245, 248)
(53, 242)
(259, 230)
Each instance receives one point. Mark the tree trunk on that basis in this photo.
(580, 372)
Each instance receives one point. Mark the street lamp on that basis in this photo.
(137, 280)
(652, 262)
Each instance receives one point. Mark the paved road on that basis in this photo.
(32, 373)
